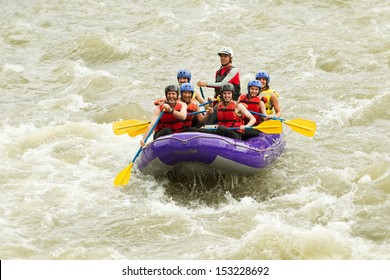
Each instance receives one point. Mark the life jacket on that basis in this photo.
(220, 75)
(252, 104)
(191, 107)
(268, 104)
(169, 120)
(227, 116)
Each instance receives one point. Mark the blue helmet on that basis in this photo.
(265, 75)
(184, 73)
(254, 83)
(186, 87)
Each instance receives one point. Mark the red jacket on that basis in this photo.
(169, 120)
(227, 116)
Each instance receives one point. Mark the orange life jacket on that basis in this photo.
(169, 120)
(252, 104)
(227, 116)
(191, 107)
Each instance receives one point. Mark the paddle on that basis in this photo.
(302, 126)
(122, 127)
(210, 101)
(132, 132)
(134, 127)
(123, 177)
(201, 92)
(268, 127)
(195, 113)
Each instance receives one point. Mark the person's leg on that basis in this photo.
(205, 130)
(224, 131)
(212, 118)
(163, 132)
(190, 129)
(249, 133)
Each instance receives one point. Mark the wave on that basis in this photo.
(100, 48)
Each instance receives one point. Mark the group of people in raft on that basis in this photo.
(228, 109)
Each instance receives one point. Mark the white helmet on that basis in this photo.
(226, 50)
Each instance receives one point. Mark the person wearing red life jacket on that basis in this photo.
(230, 114)
(175, 112)
(253, 101)
(272, 105)
(189, 124)
(227, 73)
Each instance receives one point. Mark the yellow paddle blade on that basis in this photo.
(122, 127)
(123, 177)
(302, 126)
(270, 127)
(137, 131)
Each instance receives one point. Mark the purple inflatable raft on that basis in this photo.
(206, 152)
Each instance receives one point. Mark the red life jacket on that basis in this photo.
(169, 120)
(221, 73)
(252, 104)
(191, 107)
(227, 116)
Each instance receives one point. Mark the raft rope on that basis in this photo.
(227, 141)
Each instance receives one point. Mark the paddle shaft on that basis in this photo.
(208, 102)
(262, 115)
(147, 136)
(201, 92)
(195, 113)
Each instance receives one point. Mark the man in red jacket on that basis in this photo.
(227, 73)
(172, 120)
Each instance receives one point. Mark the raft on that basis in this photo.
(204, 152)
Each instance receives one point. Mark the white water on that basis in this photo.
(68, 69)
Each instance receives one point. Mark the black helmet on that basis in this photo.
(172, 88)
(227, 87)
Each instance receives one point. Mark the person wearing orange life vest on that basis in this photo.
(272, 105)
(230, 114)
(186, 93)
(175, 112)
(227, 73)
(253, 102)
